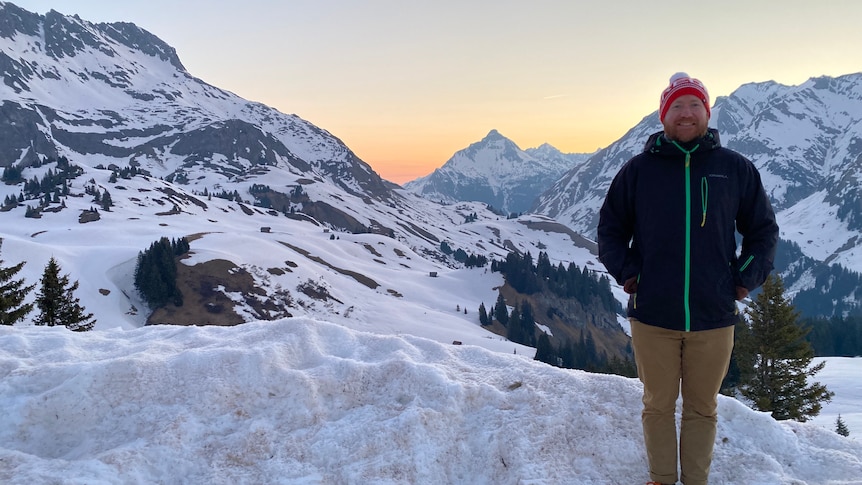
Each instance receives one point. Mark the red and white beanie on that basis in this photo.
(680, 85)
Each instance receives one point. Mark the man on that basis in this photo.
(667, 234)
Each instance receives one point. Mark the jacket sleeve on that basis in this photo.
(616, 229)
(755, 221)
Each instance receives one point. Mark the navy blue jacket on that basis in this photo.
(670, 219)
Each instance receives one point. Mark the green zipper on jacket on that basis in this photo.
(687, 286)
(747, 262)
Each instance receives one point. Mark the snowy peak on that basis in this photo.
(496, 171)
(57, 36)
(494, 155)
(493, 135)
(135, 37)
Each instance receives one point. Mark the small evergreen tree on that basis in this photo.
(12, 294)
(57, 302)
(545, 350)
(107, 201)
(514, 331)
(501, 313)
(528, 324)
(483, 315)
(840, 427)
(782, 359)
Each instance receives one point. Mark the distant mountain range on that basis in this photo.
(497, 172)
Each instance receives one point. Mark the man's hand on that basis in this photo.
(741, 293)
(631, 285)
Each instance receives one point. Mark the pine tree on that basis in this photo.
(501, 313)
(12, 294)
(57, 303)
(483, 314)
(840, 427)
(514, 331)
(528, 324)
(545, 350)
(107, 201)
(781, 359)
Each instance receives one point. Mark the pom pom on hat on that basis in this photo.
(680, 85)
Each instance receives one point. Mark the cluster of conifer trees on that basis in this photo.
(49, 189)
(156, 272)
(53, 186)
(583, 285)
(837, 336)
(833, 280)
(470, 260)
(55, 300)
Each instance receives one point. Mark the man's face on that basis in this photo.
(686, 119)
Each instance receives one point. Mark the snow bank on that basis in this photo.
(301, 401)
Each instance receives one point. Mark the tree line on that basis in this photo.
(469, 260)
(825, 295)
(835, 337)
(570, 282)
(582, 284)
(55, 299)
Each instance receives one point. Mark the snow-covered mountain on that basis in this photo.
(116, 94)
(284, 220)
(497, 172)
(806, 141)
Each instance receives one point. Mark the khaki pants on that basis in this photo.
(700, 361)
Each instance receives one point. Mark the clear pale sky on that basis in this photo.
(405, 84)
